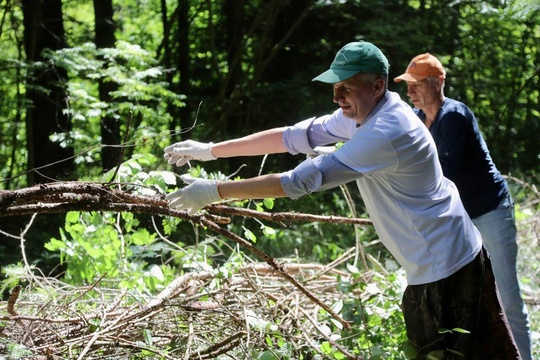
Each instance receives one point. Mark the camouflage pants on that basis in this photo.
(467, 300)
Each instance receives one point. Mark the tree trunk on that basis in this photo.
(111, 152)
(183, 60)
(44, 29)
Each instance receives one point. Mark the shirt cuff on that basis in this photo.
(296, 139)
(303, 180)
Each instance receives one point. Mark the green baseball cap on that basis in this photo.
(354, 58)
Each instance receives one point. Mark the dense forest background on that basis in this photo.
(87, 86)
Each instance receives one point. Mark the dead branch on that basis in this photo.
(62, 197)
(283, 217)
(12, 300)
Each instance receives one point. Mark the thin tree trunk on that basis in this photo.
(110, 126)
(184, 60)
(44, 29)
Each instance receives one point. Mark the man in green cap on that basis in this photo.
(416, 211)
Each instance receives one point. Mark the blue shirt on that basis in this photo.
(465, 158)
(416, 211)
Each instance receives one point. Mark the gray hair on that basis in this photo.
(434, 79)
(371, 77)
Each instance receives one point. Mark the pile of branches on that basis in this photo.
(189, 319)
(55, 320)
(184, 321)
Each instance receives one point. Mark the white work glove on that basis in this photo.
(183, 151)
(198, 194)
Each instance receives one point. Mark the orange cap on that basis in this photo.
(422, 66)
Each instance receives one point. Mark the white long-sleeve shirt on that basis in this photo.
(416, 211)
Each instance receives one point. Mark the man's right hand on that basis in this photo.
(198, 194)
(183, 151)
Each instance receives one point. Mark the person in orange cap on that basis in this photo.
(466, 160)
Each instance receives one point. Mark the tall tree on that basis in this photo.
(183, 58)
(110, 126)
(175, 53)
(44, 29)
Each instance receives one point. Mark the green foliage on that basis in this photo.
(116, 247)
(13, 68)
(373, 310)
(248, 75)
(141, 103)
(491, 80)
(500, 81)
(374, 302)
(15, 351)
(13, 275)
(94, 245)
(134, 173)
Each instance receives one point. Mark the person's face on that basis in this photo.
(423, 93)
(357, 96)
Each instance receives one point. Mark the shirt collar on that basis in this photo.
(376, 109)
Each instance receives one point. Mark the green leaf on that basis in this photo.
(17, 351)
(267, 355)
(456, 352)
(155, 271)
(142, 237)
(249, 234)
(268, 203)
(326, 347)
(55, 245)
(147, 334)
(72, 217)
(255, 320)
(268, 231)
(168, 176)
(338, 306)
(461, 331)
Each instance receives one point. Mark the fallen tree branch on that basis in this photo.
(282, 217)
(62, 197)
